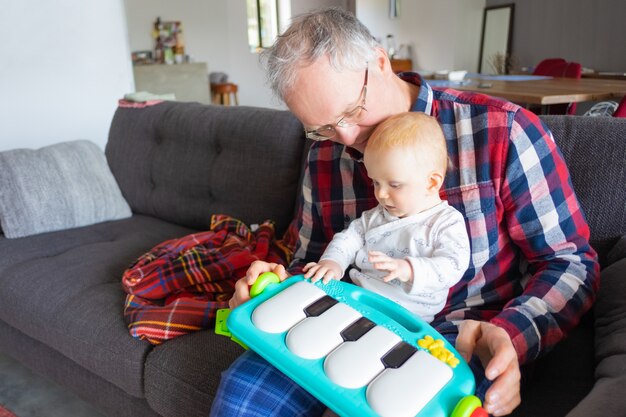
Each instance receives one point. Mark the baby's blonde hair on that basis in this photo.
(416, 132)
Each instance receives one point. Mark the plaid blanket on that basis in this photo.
(177, 286)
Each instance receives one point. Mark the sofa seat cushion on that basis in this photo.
(63, 289)
(182, 374)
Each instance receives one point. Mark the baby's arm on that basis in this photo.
(448, 261)
(339, 253)
(324, 269)
(396, 268)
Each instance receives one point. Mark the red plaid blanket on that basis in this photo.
(177, 286)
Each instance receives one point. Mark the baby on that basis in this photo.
(413, 246)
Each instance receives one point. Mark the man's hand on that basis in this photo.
(324, 270)
(242, 286)
(396, 268)
(493, 346)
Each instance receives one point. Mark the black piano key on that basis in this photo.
(357, 329)
(398, 354)
(319, 306)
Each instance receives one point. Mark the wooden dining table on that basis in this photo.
(543, 91)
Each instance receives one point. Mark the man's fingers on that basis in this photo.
(241, 294)
(280, 270)
(469, 333)
(242, 286)
(504, 394)
(257, 268)
(502, 351)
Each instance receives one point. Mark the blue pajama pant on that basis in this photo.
(252, 387)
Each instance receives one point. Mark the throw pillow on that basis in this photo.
(57, 187)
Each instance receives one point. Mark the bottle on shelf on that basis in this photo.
(179, 48)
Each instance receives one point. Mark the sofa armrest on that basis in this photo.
(607, 398)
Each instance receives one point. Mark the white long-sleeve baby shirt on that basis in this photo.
(434, 241)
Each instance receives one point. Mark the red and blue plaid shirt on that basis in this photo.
(532, 270)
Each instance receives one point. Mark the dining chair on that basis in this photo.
(558, 67)
(544, 67)
(620, 111)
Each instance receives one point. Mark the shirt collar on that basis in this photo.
(354, 154)
(424, 102)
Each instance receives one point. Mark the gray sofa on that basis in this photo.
(177, 164)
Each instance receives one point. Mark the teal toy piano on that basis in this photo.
(357, 352)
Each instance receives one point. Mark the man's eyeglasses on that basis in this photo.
(351, 118)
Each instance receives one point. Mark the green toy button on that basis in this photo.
(466, 406)
(262, 282)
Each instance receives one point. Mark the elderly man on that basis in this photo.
(532, 273)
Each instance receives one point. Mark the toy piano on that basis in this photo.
(357, 352)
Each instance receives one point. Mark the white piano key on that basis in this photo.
(281, 312)
(315, 337)
(355, 364)
(403, 392)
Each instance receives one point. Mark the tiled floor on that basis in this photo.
(28, 394)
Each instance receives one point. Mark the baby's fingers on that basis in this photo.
(390, 276)
(319, 273)
(330, 275)
(310, 268)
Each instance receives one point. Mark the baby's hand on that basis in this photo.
(397, 268)
(325, 270)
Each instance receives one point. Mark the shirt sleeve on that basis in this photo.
(545, 220)
(345, 244)
(449, 260)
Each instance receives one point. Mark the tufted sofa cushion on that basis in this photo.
(183, 162)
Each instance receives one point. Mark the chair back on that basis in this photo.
(558, 67)
(545, 66)
(620, 111)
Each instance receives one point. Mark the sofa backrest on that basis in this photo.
(595, 151)
(183, 162)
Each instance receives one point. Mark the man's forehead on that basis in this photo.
(321, 95)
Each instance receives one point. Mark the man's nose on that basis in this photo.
(346, 135)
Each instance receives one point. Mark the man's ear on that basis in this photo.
(382, 60)
(435, 181)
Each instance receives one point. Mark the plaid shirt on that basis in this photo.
(532, 270)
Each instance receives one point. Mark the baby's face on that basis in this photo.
(401, 184)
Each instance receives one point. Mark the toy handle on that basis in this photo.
(469, 406)
(263, 281)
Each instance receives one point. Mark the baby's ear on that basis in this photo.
(435, 181)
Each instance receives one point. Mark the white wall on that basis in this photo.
(66, 62)
(443, 34)
(215, 32)
(64, 65)
(589, 32)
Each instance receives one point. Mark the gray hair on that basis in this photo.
(333, 32)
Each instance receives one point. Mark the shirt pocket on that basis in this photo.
(477, 204)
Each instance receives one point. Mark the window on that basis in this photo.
(266, 19)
